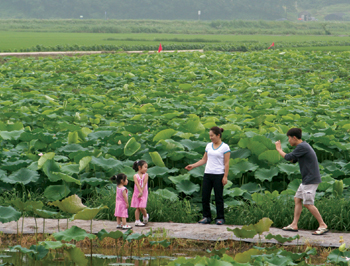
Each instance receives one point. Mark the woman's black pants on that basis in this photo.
(211, 181)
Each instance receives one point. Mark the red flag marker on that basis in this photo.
(273, 44)
(160, 48)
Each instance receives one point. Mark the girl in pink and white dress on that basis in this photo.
(139, 198)
(121, 201)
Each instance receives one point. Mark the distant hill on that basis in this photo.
(172, 9)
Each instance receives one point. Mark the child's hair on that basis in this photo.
(119, 178)
(138, 164)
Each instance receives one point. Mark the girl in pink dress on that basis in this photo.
(121, 201)
(139, 198)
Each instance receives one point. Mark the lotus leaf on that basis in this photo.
(114, 234)
(105, 163)
(23, 176)
(73, 233)
(131, 147)
(164, 243)
(242, 167)
(26, 205)
(77, 256)
(164, 134)
(71, 205)
(50, 167)
(23, 250)
(156, 159)
(281, 239)
(11, 135)
(247, 255)
(56, 192)
(243, 233)
(84, 162)
(67, 178)
(166, 194)
(266, 174)
(8, 214)
(44, 158)
(187, 187)
(41, 252)
(88, 213)
(55, 244)
(179, 178)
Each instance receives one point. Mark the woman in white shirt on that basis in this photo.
(216, 157)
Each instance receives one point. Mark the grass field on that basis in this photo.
(12, 40)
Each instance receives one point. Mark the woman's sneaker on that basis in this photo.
(145, 219)
(139, 223)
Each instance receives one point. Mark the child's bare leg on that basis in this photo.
(137, 214)
(118, 220)
(144, 212)
(124, 220)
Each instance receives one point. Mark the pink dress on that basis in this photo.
(141, 202)
(120, 205)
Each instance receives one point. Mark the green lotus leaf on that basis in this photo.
(84, 162)
(179, 178)
(193, 125)
(235, 192)
(218, 252)
(67, 178)
(50, 167)
(242, 167)
(28, 205)
(241, 153)
(106, 163)
(56, 192)
(72, 204)
(46, 138)
(88, 213)
(11, 127)
(48, 214)
(8, 214)
(156, 159)
(77, 256)
(14, 166)
(252, 187)
(23, 176)
(193, 144)
(70, 169)
(243, 233)
(73, 137)
(166, 194)
(272, 157)
(170, 145)
(55, 244)
(94, 182)
(73, 233)
(198, 171)
(131, 147)
(41, 252)
(288, 168)
(23, 250)
(72, 148)
(187, 187)
(256, 147)
(114, 234)
(157, 171)
(11, 135)
(281, 239)
(100, 134)
(247, 255)
(164, 134)
(294, 185)
(263, 225)
(266, 174)
(44, 158)
(135, 236)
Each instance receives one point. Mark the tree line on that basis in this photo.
(158, 9)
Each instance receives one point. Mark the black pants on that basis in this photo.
(211, 181)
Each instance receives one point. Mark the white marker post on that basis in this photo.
(199, 15)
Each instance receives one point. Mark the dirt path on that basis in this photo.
(196, 231)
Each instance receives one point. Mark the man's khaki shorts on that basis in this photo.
(307, 193)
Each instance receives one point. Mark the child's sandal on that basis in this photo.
(126, 227)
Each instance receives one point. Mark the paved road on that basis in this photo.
(210, 232)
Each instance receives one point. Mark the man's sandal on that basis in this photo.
(320, 231)
(289, 228)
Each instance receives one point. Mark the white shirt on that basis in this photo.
(216, 158)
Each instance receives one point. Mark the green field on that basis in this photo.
(12, 40)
